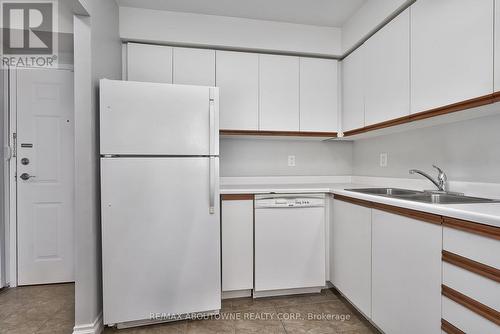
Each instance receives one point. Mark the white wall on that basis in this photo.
(3, 179)
(367, 18)
(101, 60)
(268, 157)
(466, 150)
(147, 25)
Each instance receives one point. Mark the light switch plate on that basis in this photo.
(383, 159)
(291, 161)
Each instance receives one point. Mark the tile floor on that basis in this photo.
(41, 309)
(50, 309)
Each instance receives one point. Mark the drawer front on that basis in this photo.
(482, 289)
(466, 320)
(472, 246)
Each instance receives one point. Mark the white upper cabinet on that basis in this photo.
(353, 79)
(318, 95)
(497, 45)
(387, 69)
(238, 79)
(194, 67)
(279, 93)
(451, 52)
(150, 63)
(406, 274)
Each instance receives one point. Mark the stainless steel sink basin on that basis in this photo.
(423, 196)
(386, 191)
(445, 198)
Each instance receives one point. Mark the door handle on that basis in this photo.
(26, 176)
(211, 195)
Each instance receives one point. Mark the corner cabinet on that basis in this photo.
(350, 257)
(318, 95)
(237, 76)
(279, 93)
(451, 52)
(237, 244)
(406, 274)
(387, 71)
(353, 90)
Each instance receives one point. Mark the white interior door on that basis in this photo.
(45, 167)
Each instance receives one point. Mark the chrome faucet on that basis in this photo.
(441, 180)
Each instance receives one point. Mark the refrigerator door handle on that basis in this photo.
(211, 195)
(211, 111)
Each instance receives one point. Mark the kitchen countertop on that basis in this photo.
(484, 213)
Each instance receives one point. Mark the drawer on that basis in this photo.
(466, 320)
(477, 287)
(472, 246)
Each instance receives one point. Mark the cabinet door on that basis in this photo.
(318, 95)
(353, 103)
(237, 245)
(406, 274)
(149, 63)
(497, 45)
(350, 257)
(194, 67)
(279, 93)
(387, 66)
(238, 80)
(451, 52)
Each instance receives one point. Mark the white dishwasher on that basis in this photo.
(289, 244)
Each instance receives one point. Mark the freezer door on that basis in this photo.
(160, 243)
(141, 118)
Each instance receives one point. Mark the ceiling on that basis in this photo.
(330, 13)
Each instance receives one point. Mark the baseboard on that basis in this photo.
(236, 294)
(94, 328)
(286, 292)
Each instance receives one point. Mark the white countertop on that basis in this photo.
(484, 213)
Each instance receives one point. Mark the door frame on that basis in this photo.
(11, 207)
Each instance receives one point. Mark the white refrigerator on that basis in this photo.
(159, 146)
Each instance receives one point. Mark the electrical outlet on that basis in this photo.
(291, 161)
(383, 159)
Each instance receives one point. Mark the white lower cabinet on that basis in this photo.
(237, 244)
(350, 266)
(406, 274)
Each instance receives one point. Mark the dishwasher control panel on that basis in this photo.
(289, 201)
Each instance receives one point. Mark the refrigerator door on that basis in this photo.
(160, 243)
(141, 118)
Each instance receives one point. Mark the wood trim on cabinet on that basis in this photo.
(414, 214)
(237, 197)
(471, 304)
(229, 132)
(477, 228)
(471, 265)
(448, 109)
(419, 215)
(449, 328)
(353, 200)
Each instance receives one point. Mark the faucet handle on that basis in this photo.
(438, 169)
(441, 178)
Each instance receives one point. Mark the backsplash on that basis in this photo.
(466, 150)
(269, 157)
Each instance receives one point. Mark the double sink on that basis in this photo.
(433, 197)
